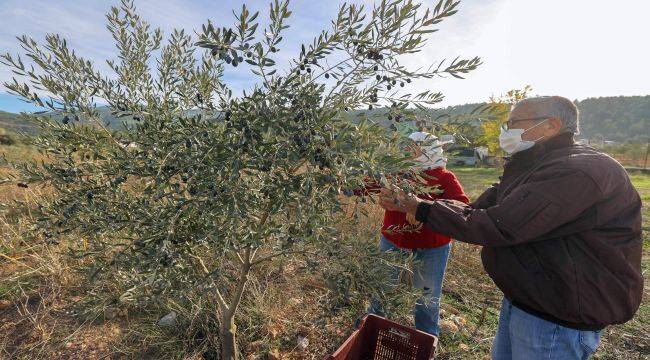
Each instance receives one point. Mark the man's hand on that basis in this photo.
(398, 200)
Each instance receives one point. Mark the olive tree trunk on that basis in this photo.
(228, 330)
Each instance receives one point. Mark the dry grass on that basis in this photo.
(286, 301)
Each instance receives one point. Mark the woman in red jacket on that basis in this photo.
(430, 250)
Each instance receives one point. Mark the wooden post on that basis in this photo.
(647, 151)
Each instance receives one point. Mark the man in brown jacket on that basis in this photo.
(561, 235)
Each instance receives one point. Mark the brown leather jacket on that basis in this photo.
(561, 234)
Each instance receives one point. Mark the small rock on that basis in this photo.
(69, 345)
(116, 330)
(273, 355)
(168, 319)
(448, 326)
(111, 313)
(303, 343)
(453, 310)
(460, 321)
(295, 301)
(463, 347)
(256, 346)
(4, 304)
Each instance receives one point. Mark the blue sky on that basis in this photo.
(575, 48)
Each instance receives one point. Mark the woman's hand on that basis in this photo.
(398, 200)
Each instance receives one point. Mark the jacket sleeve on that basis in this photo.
(487, 199)
(526, 214)
(453, 190)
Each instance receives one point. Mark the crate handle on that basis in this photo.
(400, 333)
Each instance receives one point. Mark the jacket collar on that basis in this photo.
(528, 157)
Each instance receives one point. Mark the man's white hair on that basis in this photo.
(554, 106)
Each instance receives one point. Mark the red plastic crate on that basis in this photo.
(381, 339)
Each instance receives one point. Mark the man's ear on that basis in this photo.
(553, 127)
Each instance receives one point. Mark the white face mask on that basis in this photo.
(431, 158)
(511, 142)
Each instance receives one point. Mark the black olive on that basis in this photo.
(66, 119)
(234, 63)
(327, 76)
(388, 87)
(249, 54)
(302, 67)
(401, 84)
(369, 107)
(408, 81)
(376, 68)
(22, 185)
(393, 82)
(188, 143)
(378, 77)
(308, 70)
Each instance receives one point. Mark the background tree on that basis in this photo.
(497, 116)
(203, 184)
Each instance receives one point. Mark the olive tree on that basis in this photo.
(201, 184)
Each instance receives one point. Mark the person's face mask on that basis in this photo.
(511, 142)
(431, 157)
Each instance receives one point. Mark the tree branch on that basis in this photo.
(243, 279)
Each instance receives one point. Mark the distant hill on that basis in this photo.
(15, 123)
(620, 118)
(617, 118)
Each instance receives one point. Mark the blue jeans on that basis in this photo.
(527, 337)
(428, 272)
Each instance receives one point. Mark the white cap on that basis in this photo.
(424, 138)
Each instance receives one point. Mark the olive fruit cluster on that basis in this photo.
(372, 54)
(305, 65)
(321, 159)
(230, 55)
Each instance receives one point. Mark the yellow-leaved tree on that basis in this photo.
(500, 108)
